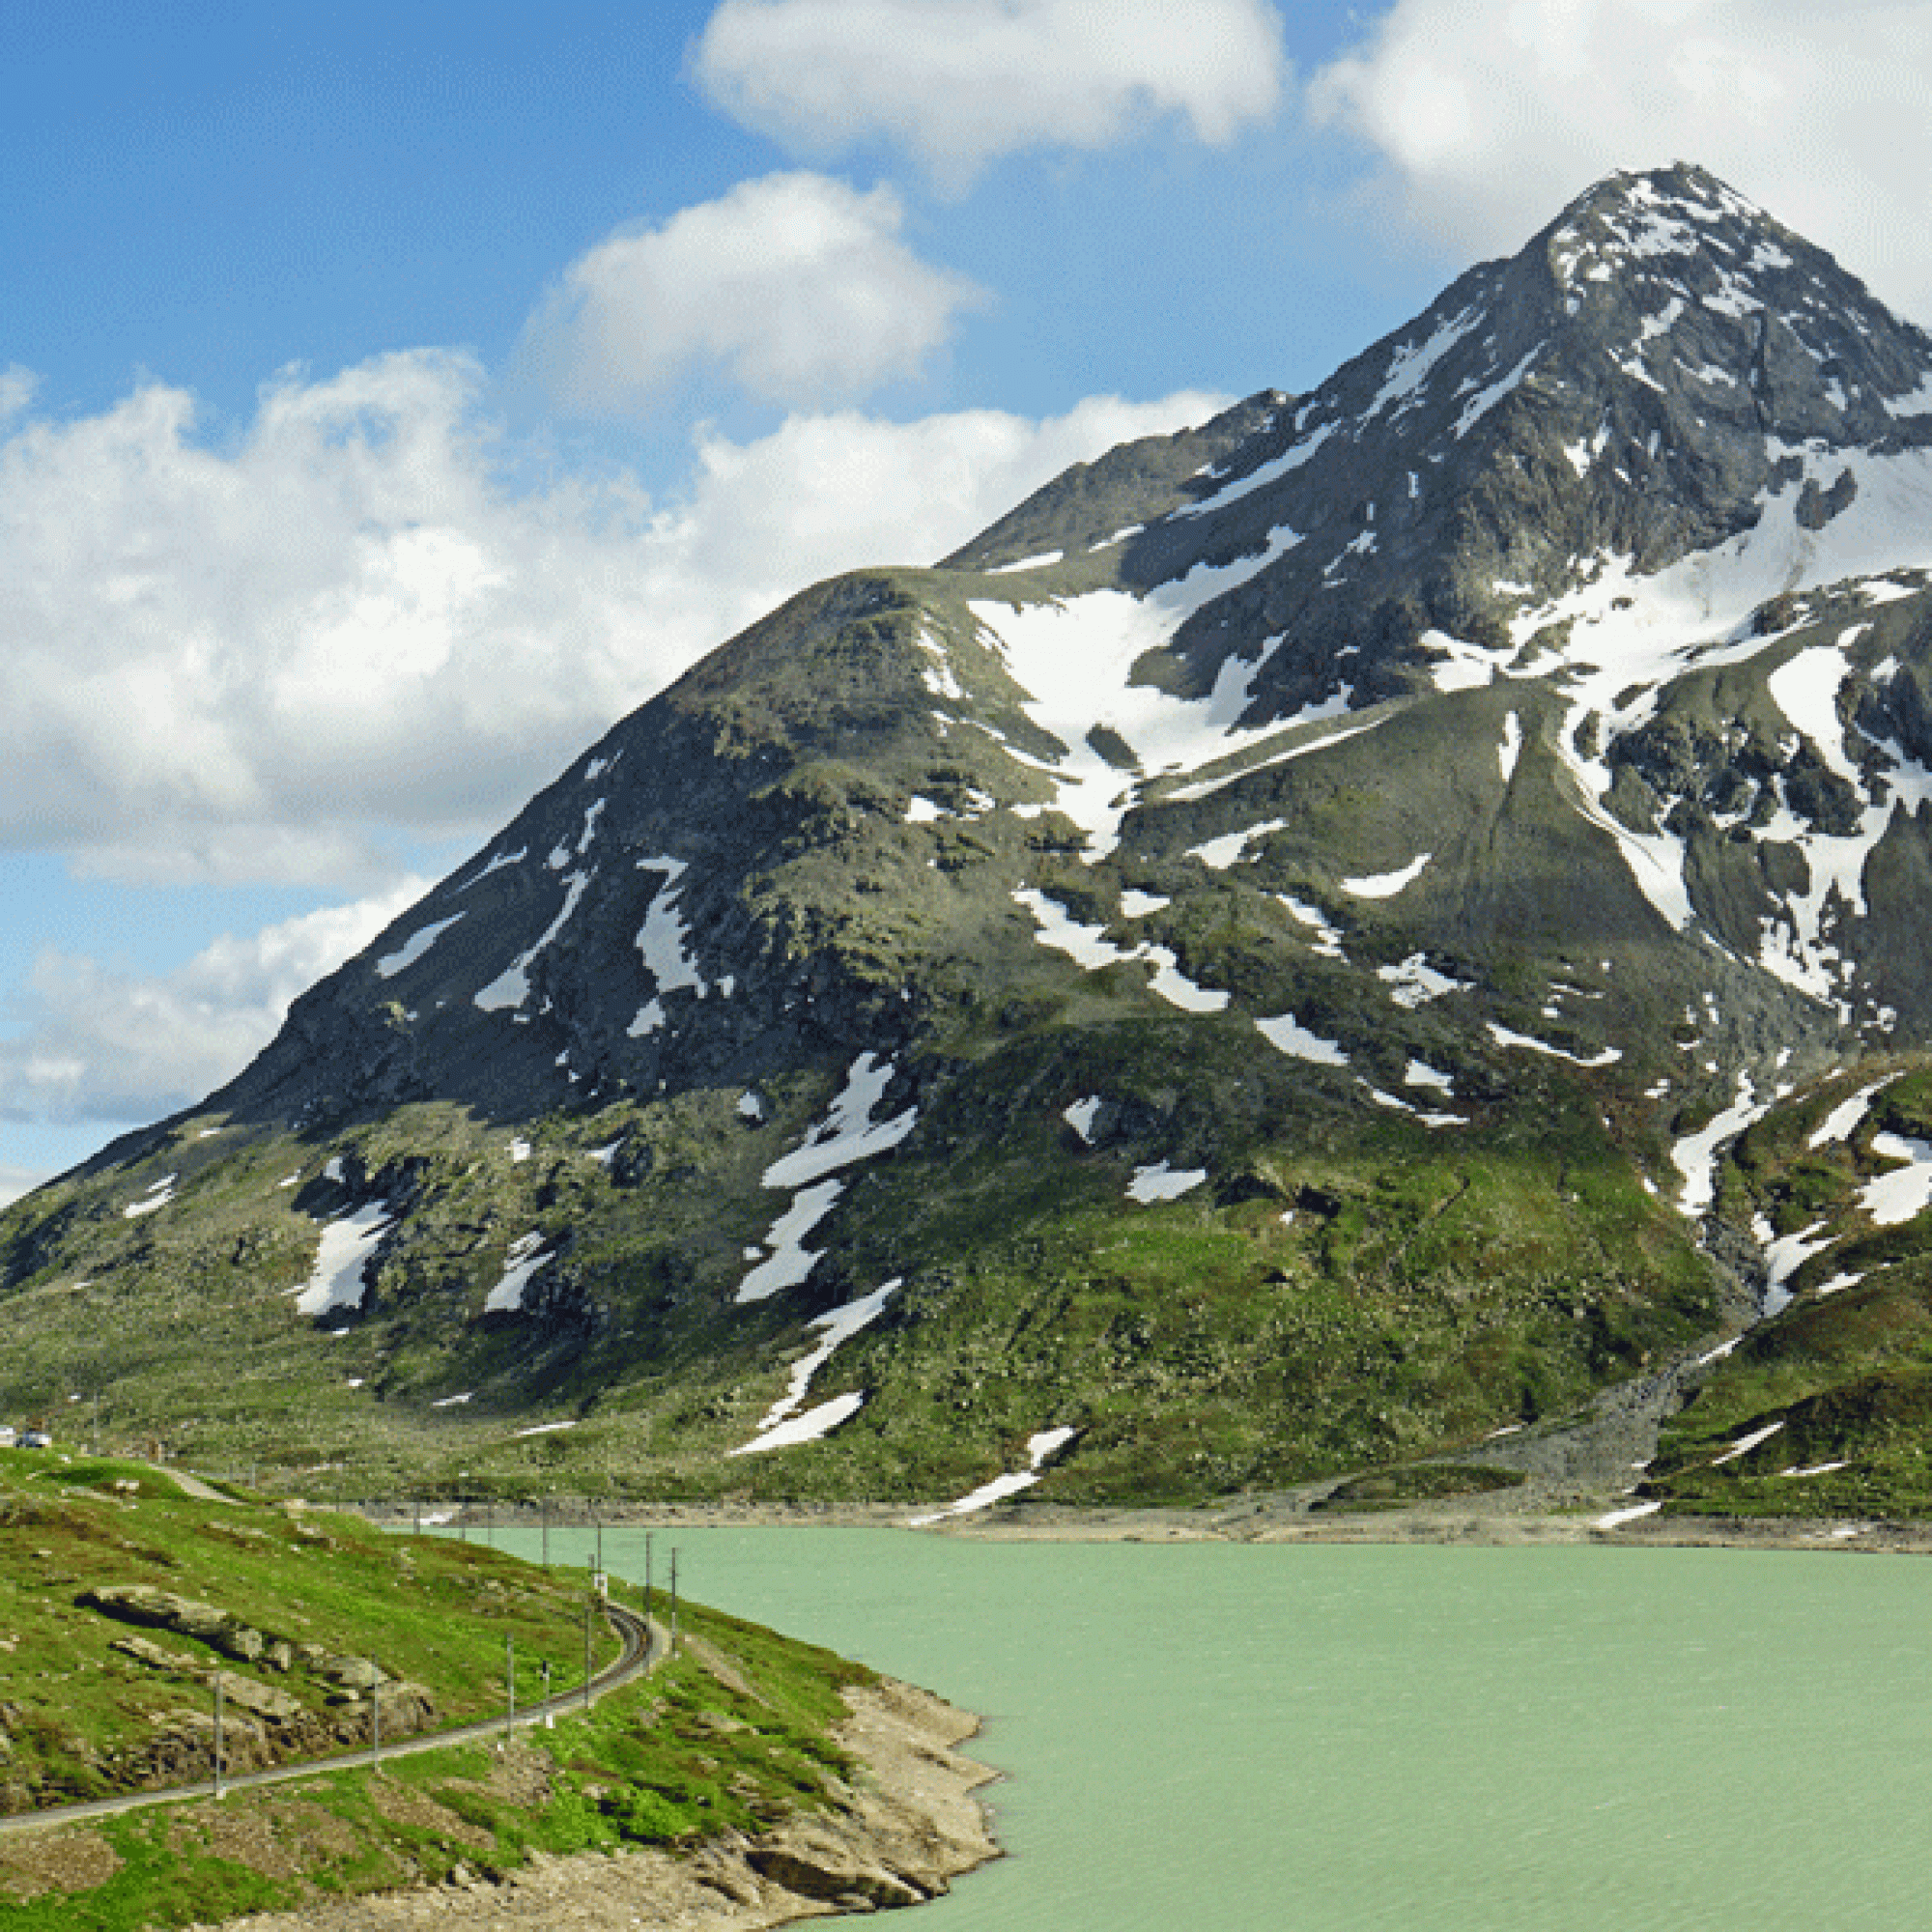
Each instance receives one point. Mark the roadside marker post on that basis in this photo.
(376, 1714)
(550, 1716)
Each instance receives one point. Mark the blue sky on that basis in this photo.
(392, 396)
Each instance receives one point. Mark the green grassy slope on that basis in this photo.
(674, 1761)
(1837, 1385)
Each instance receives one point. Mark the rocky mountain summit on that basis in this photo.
(1311, 941)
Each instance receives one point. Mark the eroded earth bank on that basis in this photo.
(900, 1833)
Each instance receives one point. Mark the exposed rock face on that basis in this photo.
(161, 1610)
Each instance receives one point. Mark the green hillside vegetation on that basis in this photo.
(734, 1743)
(1345, 1291)
(1842, 1380)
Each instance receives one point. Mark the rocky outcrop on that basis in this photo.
(161, 1610)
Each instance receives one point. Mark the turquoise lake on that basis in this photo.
(1310, 1738)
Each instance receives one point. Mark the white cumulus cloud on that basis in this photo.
(961, 82)
(1487, 115)
(796, 287)
(248, 662)
(103, 1045)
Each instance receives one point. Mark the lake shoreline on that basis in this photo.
(1288, 1519)
(911, 1826)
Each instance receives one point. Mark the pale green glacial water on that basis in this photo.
(1210, 1737)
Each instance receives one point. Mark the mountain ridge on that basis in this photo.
(1358, 817)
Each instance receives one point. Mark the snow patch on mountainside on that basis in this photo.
(337, 1279)
(1287, 1034)
(160, 1193)
(512, 988)
(1386, 885)
(413, 947)
(812, 1426)
(1162, 1182)
(1695, 1155)
(1089, 947)
(1075, 659)
(1413, 982)
(838, 1325)
(1630, 634)
(847, 1135)
(790, 1261)
(1046, 1443)
(525, 1256)
(1906, 1192)
(1842, 1122)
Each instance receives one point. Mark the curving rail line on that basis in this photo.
(644, 1645)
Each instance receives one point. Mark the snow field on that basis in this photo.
(1161, 1182)
(160, 1193)
(337, 1279)
(1047, 1442)
(846, 1135)
(782, 1424)
(1075, 658)
(525, 1256)
(1089, 947)
(413, 947)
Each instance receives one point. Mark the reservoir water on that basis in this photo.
(1327, 1739)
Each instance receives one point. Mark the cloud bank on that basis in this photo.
(244, 663)
(958, 83)
(1486, 115)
